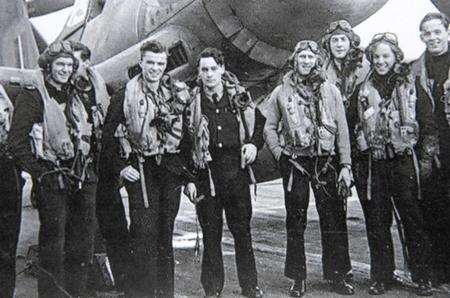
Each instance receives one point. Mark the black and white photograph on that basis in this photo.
(224, 148)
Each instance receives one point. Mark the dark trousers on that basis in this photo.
(151, 230)
(66, 238)
(233, 196)
(113, 226)
(332, 215)
(395, 179)
(10, 209)
(436, 212)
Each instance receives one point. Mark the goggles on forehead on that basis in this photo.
(60, 47)
(342, 24)
(307, 45)
(386, 36)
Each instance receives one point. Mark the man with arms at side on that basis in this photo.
(51, 137)
(10, 202)
(150, 125)
(228, 132)
(432, 70)
(316, 150)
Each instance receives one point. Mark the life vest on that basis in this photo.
(309, 124)
(240, 101)
(346, 85)
(153, 122)
(6, 113)
(51, 139)
(419, 69)
(102, 100)
(392, 121)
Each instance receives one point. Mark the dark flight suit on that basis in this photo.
(11, 185)
(151, 229)
(110, 209)
(67, 216)
(394, 178)
(232, 195)
(436, 189)
(151, 271)
(332, 214)
(10, 210)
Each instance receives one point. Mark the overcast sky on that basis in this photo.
(398, 16)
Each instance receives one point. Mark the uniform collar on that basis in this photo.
(61, 96)
(222, 102)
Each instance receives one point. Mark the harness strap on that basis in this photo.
(417, 172)
(197, 240)
(62, 172)
(437, 161)
(315, 178)
(211, 182)
(300, 168)
(369, 178)
(291, 180)
(142, 180)
(252, 185)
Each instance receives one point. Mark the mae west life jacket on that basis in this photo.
(55, 142)
(308, 119)
(154, 122)
(240, 102)
(387, 121)
(51, 138)
(102, 100)
(346, 83)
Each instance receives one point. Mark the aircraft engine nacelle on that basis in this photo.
(443, 6)
(183, 48)
(283, 23)
(267, 31)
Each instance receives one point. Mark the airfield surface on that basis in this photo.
(269, 241)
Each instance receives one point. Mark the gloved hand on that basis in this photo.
(344, 182)
(426, 166)
(343, 190)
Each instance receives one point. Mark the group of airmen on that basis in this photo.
(340, 116)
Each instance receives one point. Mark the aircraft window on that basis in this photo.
(177, 56)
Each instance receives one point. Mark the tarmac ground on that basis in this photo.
(269, 241)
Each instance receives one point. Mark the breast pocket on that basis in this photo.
(327, 135)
